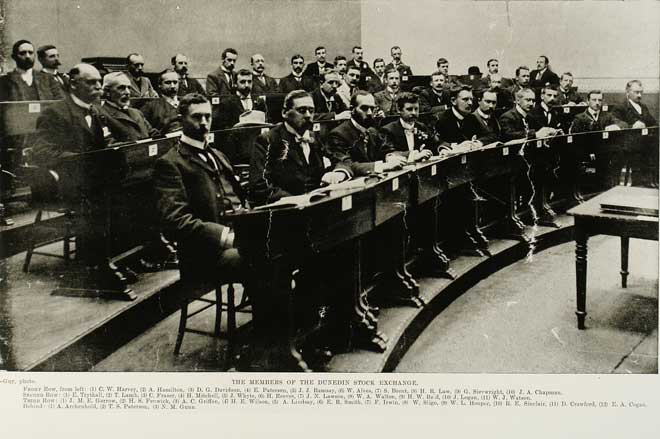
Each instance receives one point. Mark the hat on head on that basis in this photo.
(474, 70)
(251, 118)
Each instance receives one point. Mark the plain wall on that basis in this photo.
(199, 28)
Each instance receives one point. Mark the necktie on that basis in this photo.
(58, 77)
(247, 103)
(304, 141)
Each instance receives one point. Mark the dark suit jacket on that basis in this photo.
(505, 98)
(547, 77)
(127, 126)
(375, 84)
(230, 108)
(539, 117)
(365, 73)
(429, 101)
(347, 144)
(394, 138)
(626, 113)
(62, 131)
(47, 86)
(570, 96)
(289, 83)
(404, 70)
(583, 122)
(141, 88)
(487, 131)
(385, 102)
(258, 88)
(192, 86)
(450, 129)
(278, 167)
(322, 112)
(191, 202)
(514, 127)
(312, 70)
(162, 115)
(217, 84)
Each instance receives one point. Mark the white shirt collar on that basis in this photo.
(295, 75)
(26, 75)
(80, 103)
(358, 126)
(482, 114)
(112, 104)
(458, 115)
(242, 98)
(390, 91)
(636, 106)
(593, 113)
(50, 71)
(521, 111)
(326, 97)
(172, 101)
(291, 130)
(405, 125)
(545, 107)
(193, 142)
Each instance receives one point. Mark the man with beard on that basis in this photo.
(326, 102)
(633, 111)
(386, 99)
(450, 126)
(24, 83)
(163, 113)
(186, 85)
(377, 82)
(436, 97)
(49, 58)
(126, 124)
(517, 124)
(261, 83)
(222, 80)
(504, 96)
(407, 136)
(140, 86)
(358, 62)
(522, 80)
(542, 75)
(404, 70)
(356, 142)
(568, 94)
(231, 107)
(295, 80)
(482, 123)
(316, 69)
(350, 85)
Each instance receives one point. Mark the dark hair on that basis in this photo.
(128, 58)
(491, 60)
(339, 58)
(634, 81)
(394, 47)
(293, 95)
(296, 56)
(244, 72)
(160, 75)
(355, 96)
(521, 68)
(479, 93)
(318, 48)
(566, 74)
(547, 60)
(41, 52)
(17, 44)
(190, 99)
(453, 93)
(228, 50)
(391, 70)
(438, 73)
(594, 92)
(549, 86)
(355, 47)
(474, 70)
(406, 98)
(442, 61)
(378, 60)
(173, 60)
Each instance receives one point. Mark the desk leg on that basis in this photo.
(513, 227)
(581, 239)
(438, 262)
(405, 289)
(625, 244)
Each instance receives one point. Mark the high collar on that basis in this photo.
(192, 142)
(114, 105)
(522, 112)
(458, 115)
(390, 91)
(593, 113)
(243, 98)
(225, 71)
(76, 100)
(636, 106)
(23, 72)
(406, 125)
(545, 107)
(299, 76)
(53, 72)
(292, 130)
(359, 127)
(326, 97)
(172, 101)
(482, 114)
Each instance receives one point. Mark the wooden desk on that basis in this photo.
(591, 220)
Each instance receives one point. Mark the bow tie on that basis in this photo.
(305, 138)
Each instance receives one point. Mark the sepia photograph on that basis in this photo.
(446, 190)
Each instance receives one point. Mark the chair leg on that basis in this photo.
(67, 237)
(218, 311)
(231, 317)
(182, 328)
(32, 241)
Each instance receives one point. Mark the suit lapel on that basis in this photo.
(191, 153)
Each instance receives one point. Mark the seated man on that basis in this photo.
(450, 126)
(521, 81)
(222, 80)
(186, 84)
(407, 137)
(357, 143)
(516, 123)
(326, 102)
(568, 94)
(358, 62)
(350, 84)
(289, 159)
(435, 98)
(504, 96)
(404, 70)
(542, 75)
(483, 123)
(232, 106)
(295, 80)
(140, 86)
(450, 80)
(126, 124)
(316, 69)
(592, 119)
(261, 83)
(163, 113)
(377, 82)
(24, 83)
(633, 111)
(386, 99)
(544, 113)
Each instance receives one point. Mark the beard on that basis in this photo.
(24, 64)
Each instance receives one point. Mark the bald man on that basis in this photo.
(140, 85)
(261, 83)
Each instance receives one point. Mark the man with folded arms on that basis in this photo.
(163, 113)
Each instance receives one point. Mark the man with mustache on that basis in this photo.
(261, 83)
(482, 123)
(163, 113)
(517, 124)
(126, 124)
(545, 113)
(295, 80)
(522, 80)
(386, 99)
(404, 70)
(326, 102)
(542, 75)
(450, 126)
(435, 98)
(49, 58)
(186, 84)
(231, 107)
(357, 143)
(568, 94)
(377, 82)
(316, 69)
(358, 62)
(504, 96)
(24, 83)
(350, 85)
(222, 80)
(140, 85)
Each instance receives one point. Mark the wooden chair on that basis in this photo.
(37, 228)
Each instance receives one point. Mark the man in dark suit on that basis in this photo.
(451, 81)
(386, 99)
(516, 123)
(222, 80)
(521, 81)
(482, 122)
(163, 113)
(24, 83)
(377, 82)
(358, 62)
(315, 69)
(407, 137)
(49, 58)
(568, 94)
(356, 142)
(435, 98)
(126, 124)
(404, 70)
(542, 75)
(295, 80)
(450, 127)
(288, 160)
(261, 83)
(140, 85)
(593, 119)
(327, 104)
(350, 85)
(186, 84)
(504, 97)
(231, 107)
(544, 113)
(632, 111)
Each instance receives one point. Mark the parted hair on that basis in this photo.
(406, 98)
(453, 93)
(190, 99)
(292, 96)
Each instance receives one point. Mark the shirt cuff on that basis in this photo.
(378, 166)
(224, 237)
(345, 172)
